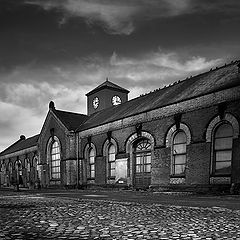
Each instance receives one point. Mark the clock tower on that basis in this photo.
(105, 95)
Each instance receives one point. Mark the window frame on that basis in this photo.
(214, 172)
(111, 163)
(143, 154)
(92, 164)
(174, 155)
(56, 161)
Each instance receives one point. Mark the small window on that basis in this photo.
(55, 160)
(179, 154)
(111, 160)
(223, 139)
(92, 163)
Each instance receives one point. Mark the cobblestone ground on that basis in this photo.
(33, 217)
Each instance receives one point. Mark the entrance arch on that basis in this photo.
(140, 148)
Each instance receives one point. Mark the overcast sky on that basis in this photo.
(61, 49)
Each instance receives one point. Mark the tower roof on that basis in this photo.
(109, 85)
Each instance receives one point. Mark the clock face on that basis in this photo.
(116, 100)
(95, 102)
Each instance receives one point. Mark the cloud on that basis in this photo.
(159, 66)
(116, 17)
(122, 17)
(17, 121)
(26, 91)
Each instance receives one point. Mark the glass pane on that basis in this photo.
(138, 160)
(223, 156)
(58, 156)
(225, 130)
(112, 173)
(148, 168)
(180, 137)
(138, 168)
(180, 159)
(148, 159)
(111, 157)
(179, 169)
(92, 173)
(91, 153)
(179, 148)
(223, 167)
(112, 165)
(111, 149)
(223, 143)
(91, 160)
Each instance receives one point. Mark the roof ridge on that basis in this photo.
(19, 140)
(70, 112)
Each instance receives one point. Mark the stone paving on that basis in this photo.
(37, 217)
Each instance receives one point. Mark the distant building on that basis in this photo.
(183, 136)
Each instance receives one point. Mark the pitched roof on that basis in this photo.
(21, 144)
(70, 120)
(109, 85)
(208, 82)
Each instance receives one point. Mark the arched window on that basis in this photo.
(111, 161)
(179, 144)
(143, 157)
(27, 165)
(222, 149)
(55, 160)
(10, 168)
(91, 160)
(18, 167)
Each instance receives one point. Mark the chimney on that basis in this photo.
(22, 137)
(51, 105)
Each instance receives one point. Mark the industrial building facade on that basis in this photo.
(185, 135)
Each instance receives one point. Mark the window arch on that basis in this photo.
(55, 160)
(222, 149)
(111, 157)
(179, 153)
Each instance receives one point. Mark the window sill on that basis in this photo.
(220, 175)
(177, 176)
(90, 178)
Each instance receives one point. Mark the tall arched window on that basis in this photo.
(179, 154)
(91, 156)
(10, 167)
(55, 160)
(222, 150)
(111, 161)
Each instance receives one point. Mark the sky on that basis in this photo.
(61, 49)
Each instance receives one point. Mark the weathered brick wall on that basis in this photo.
(236, 161)
(161, 167)
(100, 174)
(198, 163)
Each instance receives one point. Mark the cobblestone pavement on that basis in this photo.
(38, 217)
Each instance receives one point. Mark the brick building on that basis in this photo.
(185, 135)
